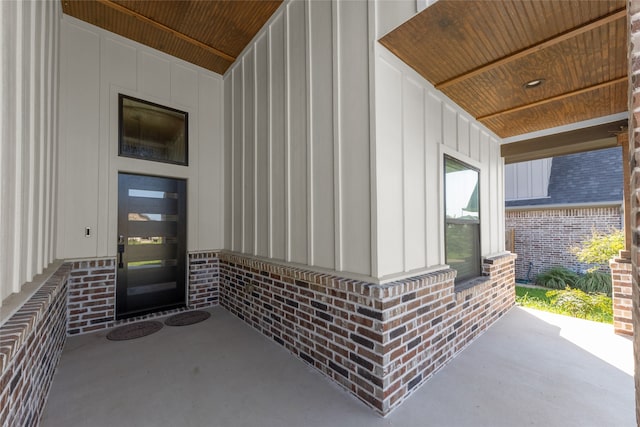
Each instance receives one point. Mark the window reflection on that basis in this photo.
(152, 132)
(157, 240)
(156, 263)
(135, 216)
(462, 219)
(134, 192)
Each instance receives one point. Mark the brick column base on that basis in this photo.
(621, 293)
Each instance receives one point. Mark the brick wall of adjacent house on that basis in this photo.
(634, 178)
(30, 347)
(622, 290)
(543, 237)
(92, 291)
(378, 341)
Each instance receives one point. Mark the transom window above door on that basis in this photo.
(150, 131)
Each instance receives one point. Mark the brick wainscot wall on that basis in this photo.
(31, 342)
(92, 291)
(378, 341)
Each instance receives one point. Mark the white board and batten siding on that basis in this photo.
(297, 139)
(527, 180)
(29, 43)
(96, 66)
(416, 126)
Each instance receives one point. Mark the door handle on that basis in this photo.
(120, 251)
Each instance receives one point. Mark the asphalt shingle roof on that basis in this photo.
(589, 177)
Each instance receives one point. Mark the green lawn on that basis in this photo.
(537, 298)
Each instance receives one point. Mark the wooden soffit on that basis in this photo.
(481, 53)
(559, 144)
(208, 33)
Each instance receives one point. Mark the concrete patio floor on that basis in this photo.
(530, 368)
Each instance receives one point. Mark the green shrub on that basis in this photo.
(594, 281)
(557, 278)
(581, 304)
(600, 247)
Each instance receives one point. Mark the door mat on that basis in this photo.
(134, 330)
(187, 318)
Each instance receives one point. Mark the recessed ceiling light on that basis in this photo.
(533, 83)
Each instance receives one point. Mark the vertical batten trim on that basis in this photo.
(19, 135)
(372, 14)
(255, 149)
(102, 239)
(4, 137)
(50, 127)
(494, 203)
(404, 173)
(501, 219)
(231, 185)
(27, 248)
(491, 187)
(55, 52)
(498, 208)
(17, 274)
(337, 140)
(243, 159)
(425, 159)
(441, 195)
(42, 158)
(287, 137)
(222, 173)
(270, 142)
(310, 139)
(48, 162)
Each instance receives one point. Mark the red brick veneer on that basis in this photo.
(92, 295)
(377, 341)
(31, 343)
(92, 291)
(204, 273)
(621, 270)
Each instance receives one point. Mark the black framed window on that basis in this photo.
(462, 218)
(150, 131)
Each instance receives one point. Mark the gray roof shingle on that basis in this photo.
(589, 177)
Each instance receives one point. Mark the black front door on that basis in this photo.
(151, 244)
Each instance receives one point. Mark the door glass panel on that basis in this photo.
(156, 263)
(134, 192)
(147, 289)
(151, 240)
(134, 216)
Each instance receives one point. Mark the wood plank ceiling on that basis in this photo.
(482, 53)
(209, 33)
